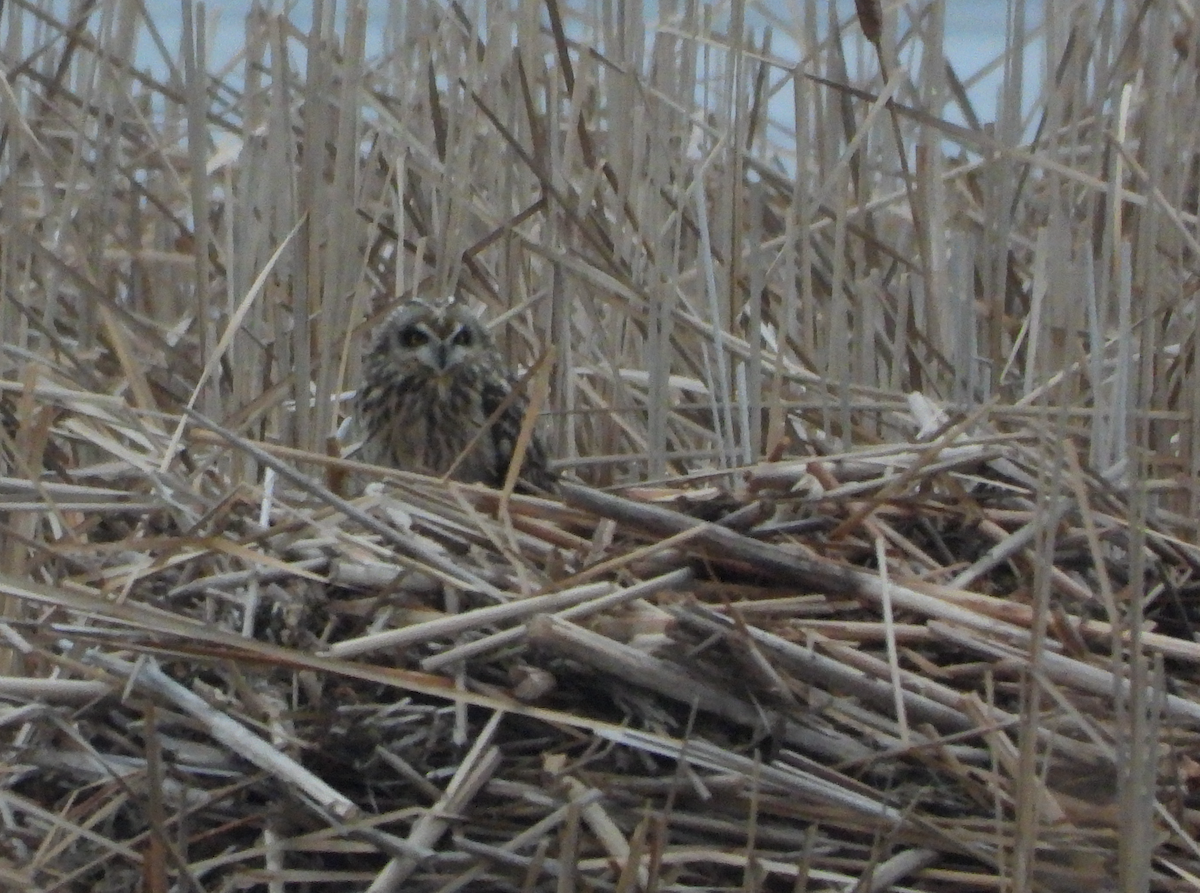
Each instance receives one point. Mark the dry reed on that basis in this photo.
(875, 567)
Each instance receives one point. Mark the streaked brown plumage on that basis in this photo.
(432, 379)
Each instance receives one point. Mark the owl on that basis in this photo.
(433, 379)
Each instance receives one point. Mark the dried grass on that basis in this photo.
(882, 578)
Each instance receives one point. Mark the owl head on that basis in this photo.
(432, 339)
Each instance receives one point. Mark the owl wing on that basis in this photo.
(535, 470)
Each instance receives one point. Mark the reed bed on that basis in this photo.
(873, 565)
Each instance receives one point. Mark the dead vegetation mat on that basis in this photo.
(872, 670)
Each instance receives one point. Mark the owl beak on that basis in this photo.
(441, 369)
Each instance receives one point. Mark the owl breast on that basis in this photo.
(424, 424)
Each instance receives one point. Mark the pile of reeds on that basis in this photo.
(873, 565)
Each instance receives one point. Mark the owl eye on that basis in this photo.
(411, 337)
(464, 338)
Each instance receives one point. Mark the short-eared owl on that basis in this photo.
(432, 380)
